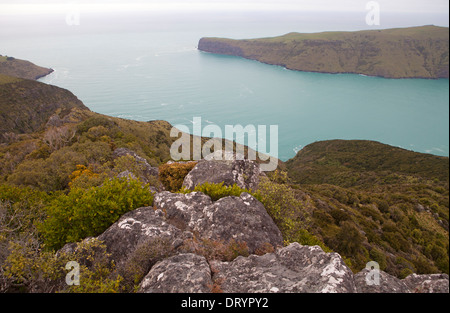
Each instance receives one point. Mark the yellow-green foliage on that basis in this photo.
(218, 191)
(172, 175)
(287, 211)
(83, 213)
(84, 177)
(20, 210)
(30, 269)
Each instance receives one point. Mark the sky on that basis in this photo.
(25, 7)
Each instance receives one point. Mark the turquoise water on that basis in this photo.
(151, 74)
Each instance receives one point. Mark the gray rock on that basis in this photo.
(386, 284)
(433, 283)
(292, 269)
(134, 229)
(183, 273)
(243, 218)
(419, 208)
(244, 173)
(148, 171)
(183, 210)
(127, 174)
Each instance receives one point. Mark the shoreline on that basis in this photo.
(322, 72)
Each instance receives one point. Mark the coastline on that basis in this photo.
(43, 75)
(323, 72)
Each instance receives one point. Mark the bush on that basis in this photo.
(84, 178)
(218, 191)
(217, 249)
(141, 261)
(379, 257)
(288, 212)
(172, 175)
(29, 269)
(281, 203)
(84, 213)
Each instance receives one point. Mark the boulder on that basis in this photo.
(134, 229)
(432, 283)
(183, 210)
(243, 218)
(386, 283)
(244, 173)
(183, 273)
(148, 171)
(292, 269)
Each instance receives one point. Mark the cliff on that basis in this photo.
(416, 52)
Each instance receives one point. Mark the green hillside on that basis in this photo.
(26, 105)
(373, 201)
(416, 52)
(363, 163)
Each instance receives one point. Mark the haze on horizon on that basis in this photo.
(48, 16)
(21, 7)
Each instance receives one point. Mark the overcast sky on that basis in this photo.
(10, 7)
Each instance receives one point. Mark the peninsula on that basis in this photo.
(22, 69)
(415, 52)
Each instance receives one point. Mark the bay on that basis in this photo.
(155, 72)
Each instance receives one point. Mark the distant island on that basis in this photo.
(414, 52)
(21, 68)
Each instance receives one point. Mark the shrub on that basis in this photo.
(172, 175)
(218, 191)
(84, 178)
(31, 270)
(349, 240)
(97, 272)
(379, 257)
(288, 212)
(282, 204)
(96, 121)
(84, 213)
(405, 273)
(142, 259)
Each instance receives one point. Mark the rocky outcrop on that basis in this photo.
(386, 284)
(292, 269)
(432, 283)
(135, 229)
(146, 170)
(243, 218)
(167, 239)
(244, 173)
(183, 273)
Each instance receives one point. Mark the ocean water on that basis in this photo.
(150, 69)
